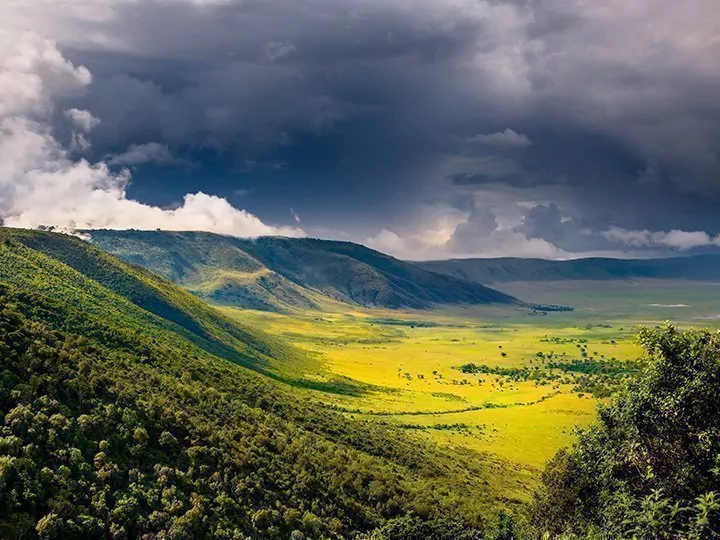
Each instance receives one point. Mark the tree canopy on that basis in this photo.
(126, 412)
(650, 466)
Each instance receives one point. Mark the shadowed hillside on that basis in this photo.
(276, 273)
(699, 267)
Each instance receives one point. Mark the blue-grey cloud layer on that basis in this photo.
(361, 114)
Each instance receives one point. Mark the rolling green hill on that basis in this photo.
(73, 271)
(276, 273)
(127, 411)
(212, 266)
(501, 270)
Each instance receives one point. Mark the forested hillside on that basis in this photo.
(650, 467)
(131, 409)
(277, 273)
(125, 412)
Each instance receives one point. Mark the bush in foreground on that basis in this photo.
(650, 467)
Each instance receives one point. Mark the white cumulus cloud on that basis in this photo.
(82, 119)
(41, 182)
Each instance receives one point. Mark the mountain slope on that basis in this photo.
(354, 273)
(699, 267)
(70, 269)
(273, 273)
(211, 266)
(125, 412)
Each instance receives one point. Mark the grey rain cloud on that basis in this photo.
(579, 126)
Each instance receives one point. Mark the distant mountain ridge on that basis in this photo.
(275, 273)
(502, 270)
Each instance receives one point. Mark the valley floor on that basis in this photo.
(503, 381)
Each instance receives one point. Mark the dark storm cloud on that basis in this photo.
(602, 114)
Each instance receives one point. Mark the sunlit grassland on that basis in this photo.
(406, 364)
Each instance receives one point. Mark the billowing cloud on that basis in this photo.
(476, 231)
(499, 243)
(480, 224)
(83, 120)
(390, 242)
(40, 182)
(543, 221)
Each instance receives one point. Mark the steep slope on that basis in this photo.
(72, 270)
(276, 272)
(354, 273)
(699, 267)
(124, 413)
(211, 266)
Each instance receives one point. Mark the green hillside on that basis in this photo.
(212, 266)
(126, 412)
(276, 273)
(699, 267)
(71, 270)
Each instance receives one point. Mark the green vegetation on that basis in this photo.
(279, 274)
(213, 267)
(524, 407)
(528, 405)
(69, 269)
(650, 467)
(131, 408)
(118, 422)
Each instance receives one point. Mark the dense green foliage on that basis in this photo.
(588, 375)
(71, 270)
(272, 273)
(127, 410)
(650, 468)
(118, 422)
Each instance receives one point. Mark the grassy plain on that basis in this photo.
(499, 380)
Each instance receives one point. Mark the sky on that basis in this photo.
(427, 129)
